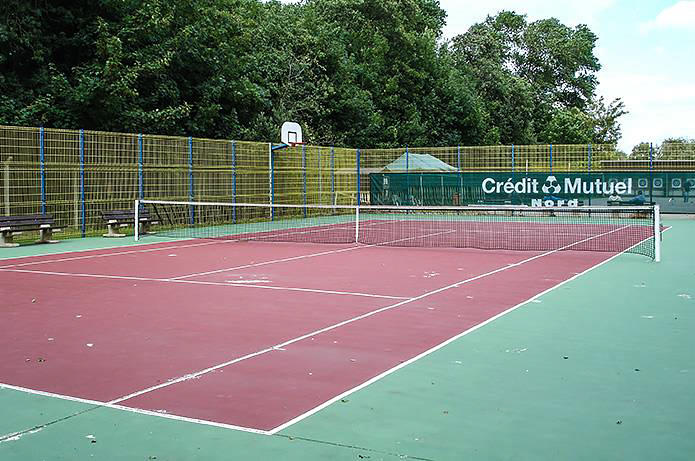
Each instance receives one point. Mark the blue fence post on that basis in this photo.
(83, 210)
(513, 160)
(191, 192)
(304, 177)
(651, 172)
(141, 186)
(333, 197)
(271, 173)
(407, 177)
(589, 169)
(234, 181)
(359, 198)
(458, 158)
(551, 158)
(42, 160)
(320, 185)
(141, 183)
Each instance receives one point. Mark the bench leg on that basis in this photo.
(45, 236)
(145, 228)
(112, 231)
(6, 240)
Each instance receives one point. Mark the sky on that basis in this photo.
(646, 49)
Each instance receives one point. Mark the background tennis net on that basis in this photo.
(606, 229)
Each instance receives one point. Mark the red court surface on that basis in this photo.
(247, 334)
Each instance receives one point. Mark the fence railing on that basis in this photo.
(77, 174)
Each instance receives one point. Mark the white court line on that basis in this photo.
(203, 282)
(113, 403)
(311, 290)
(343, 323)
(149, 250)
(311, 255)
(118, 253)
(436, 348)
(146, 250)
(98, 403)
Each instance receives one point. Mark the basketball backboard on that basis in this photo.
(291, 133)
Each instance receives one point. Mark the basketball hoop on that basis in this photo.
(295, 144)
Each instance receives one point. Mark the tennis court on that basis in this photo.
(260, 330)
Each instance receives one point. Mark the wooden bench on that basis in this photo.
(14, 225)
(494, 201)
(122, 218)
(627, 203)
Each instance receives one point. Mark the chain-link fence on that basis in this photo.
(75, 175)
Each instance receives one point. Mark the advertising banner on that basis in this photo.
(673, 191)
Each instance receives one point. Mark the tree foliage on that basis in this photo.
(366, 73)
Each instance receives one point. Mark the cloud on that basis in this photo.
(660, 105)
(680, 15)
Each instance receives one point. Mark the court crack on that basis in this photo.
(353, 447)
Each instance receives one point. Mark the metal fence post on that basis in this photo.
(6, 187)
(651, 172)
(407, 177)
(458, 157)
(82, 195)
(334, 198)
(271, 181)
(513, 159)
(589, 168)
(233, 181)
(304, 177)
(191, 192)
(42, 161)
(551, 158)
(359, 198)
(141, 184)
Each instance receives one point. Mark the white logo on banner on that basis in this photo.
(551, 186)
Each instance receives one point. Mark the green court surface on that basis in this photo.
(602, 367)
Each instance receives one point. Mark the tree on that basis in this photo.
(368, 73)
(531, 75)
(568, 126)
(486, 53)
(606, 127)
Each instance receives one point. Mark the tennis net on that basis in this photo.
(607, 229)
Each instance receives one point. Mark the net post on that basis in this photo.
(137, 220)
(357, 224)
(657, 233)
